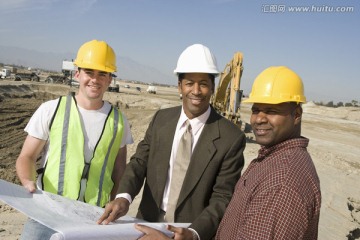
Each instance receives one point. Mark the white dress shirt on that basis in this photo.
(197, 125)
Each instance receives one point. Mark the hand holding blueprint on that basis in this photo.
(72, 219)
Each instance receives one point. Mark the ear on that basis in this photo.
(213, 86)
(179, 86)
(297, 114)
(76, 75)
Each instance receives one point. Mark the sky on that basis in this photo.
(320, 40)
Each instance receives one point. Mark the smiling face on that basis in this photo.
(275, 123)
(93, 83)
(196, 90)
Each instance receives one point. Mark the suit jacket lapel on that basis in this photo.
(202, 155)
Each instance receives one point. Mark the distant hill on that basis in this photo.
(128, 69)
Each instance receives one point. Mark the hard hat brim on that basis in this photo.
(212, 73)
(96, 67)
(272, 100)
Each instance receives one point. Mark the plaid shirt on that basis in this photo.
(277, 197)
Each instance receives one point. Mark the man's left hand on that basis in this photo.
(153, 234)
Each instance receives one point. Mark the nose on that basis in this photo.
(260, 117)
(95, 77)
(196, 89)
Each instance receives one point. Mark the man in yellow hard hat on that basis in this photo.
(211, 157)
(81, 139)
(278, 196)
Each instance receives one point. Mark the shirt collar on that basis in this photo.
(196, 123)
(290, 143)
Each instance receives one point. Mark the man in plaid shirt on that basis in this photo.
(278, 196)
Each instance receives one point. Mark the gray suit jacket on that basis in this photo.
(214, 169)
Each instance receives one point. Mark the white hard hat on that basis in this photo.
(197, 58)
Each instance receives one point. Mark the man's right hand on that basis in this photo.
(30, 186)
(113, 210)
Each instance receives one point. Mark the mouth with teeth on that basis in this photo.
(261, 131)
(93, 87)
(196, 101)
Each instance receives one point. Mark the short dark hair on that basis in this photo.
(182, 75)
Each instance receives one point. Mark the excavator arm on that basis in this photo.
(227, 97)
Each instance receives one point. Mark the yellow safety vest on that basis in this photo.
(65, 166)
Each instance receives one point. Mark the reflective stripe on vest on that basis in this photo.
(65, 166)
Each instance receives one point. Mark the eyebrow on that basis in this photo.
(267, 109)
(93, 70)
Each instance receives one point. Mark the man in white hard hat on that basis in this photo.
(216, 158)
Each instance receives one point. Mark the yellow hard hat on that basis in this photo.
(277, 85)
(96, 55)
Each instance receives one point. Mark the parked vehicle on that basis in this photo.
(151, 89)
(114, 87)
(5, 73)
(57, 79)
(27, 76)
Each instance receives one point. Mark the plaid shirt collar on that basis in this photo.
(280, 147)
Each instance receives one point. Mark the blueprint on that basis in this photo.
(72, 219)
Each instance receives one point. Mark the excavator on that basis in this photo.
(227, 97)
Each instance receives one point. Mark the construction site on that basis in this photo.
(334, 135)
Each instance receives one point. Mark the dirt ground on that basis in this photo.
(334, 135)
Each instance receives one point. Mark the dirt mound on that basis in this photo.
(345, 113)
(18, 103)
